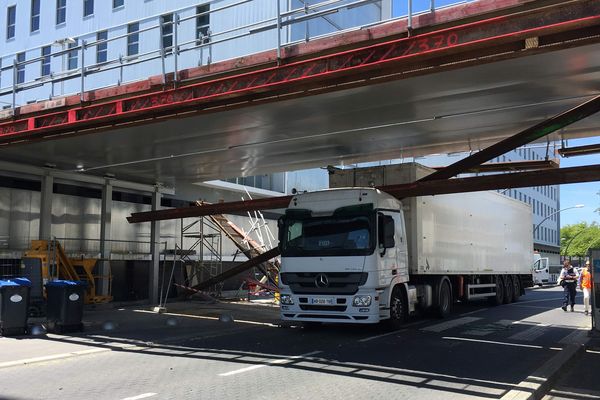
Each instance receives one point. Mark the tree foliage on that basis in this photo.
(577, 239)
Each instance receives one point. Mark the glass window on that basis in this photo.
(61, 11)
(20, 67)
(35, 15)
(72, 56)
(202, 24)
(101, 48)
(166, 32)
(118, 3)
(11, 21)
(46, 50)
(88, 7)
(133, 39)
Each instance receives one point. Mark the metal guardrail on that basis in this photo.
(171, 28)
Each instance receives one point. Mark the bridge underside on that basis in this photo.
(445, 109)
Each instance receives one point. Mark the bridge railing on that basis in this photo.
(185, 38)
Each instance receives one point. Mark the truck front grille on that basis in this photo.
(342, 283)
(318, 307)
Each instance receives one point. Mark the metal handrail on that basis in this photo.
(282, 20)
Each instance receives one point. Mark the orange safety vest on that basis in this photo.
(586, 280)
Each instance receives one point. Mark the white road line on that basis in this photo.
(241, 321)
(141, 396)
(490, 328)
(450, 324)
(473, 312)
(274, 362)
(492, 342)
(380, 336)
(535, 301)
(530, 334)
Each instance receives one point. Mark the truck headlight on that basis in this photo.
(286, 299)
(361, 301)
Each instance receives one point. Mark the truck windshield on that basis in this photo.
(328, 236)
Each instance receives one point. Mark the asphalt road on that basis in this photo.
(479, 352)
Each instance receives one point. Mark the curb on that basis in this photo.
(537, 384)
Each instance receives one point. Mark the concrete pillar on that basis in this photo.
(47, 191)
(105, 244)
(155, 250)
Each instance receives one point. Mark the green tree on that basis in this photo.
(577, 239)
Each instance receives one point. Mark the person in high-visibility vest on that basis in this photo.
(585, 282)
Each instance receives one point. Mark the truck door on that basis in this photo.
(387, 241)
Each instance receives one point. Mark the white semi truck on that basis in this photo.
(358, 255)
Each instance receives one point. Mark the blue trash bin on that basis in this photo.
(64, 306)
(14, 305)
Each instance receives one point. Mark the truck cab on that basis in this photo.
(343, 251)
(541, 270)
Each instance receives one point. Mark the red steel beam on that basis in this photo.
(421, 188)
(359, 64)
(513, 166)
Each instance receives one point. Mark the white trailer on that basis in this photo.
(360, 255)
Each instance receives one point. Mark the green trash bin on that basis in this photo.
(64, 306)
(14, 305)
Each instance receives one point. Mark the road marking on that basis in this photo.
(241, 321)
(450, 324)
(530, 334)
(473, 312)
(274, 362)
(535, 301)
(380, 336)
(492, 342)
(141, 396)
(570, 393)
(592, 351)
(51, 358)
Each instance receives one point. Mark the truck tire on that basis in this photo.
(508, 289)
(516, 288)
(398, 308)
(444, 306)
(499, 297)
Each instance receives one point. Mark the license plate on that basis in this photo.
(322, 300)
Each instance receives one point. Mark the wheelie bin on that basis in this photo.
(64, 306)
(14, 305)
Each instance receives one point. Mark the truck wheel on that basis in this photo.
(516, 288)
(398, 308)
(444, 306)
(499, 297)
(508, 290)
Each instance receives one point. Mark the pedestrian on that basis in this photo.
(568, 280)
(585, 283)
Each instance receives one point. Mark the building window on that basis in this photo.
(202, 24)
(72, 56)
(35, 15)
(88, 7)
(46, 50)
(166, 32)
(61, 11)
(133, 39)
(20, 67)
(118, 3)
(11, 21)
(101, 48)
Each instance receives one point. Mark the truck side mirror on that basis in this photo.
(386, 232)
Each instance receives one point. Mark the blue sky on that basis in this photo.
(580, 193)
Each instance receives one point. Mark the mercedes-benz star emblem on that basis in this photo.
(321, 281)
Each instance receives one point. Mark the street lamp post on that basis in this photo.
(554, 213)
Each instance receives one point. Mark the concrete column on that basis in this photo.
(105, 244)
(155, 250)
(46, 207)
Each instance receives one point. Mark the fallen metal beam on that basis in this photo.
(579, 150)
(513, 166)
(421, 188)
(253, 262)
(529, 135)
